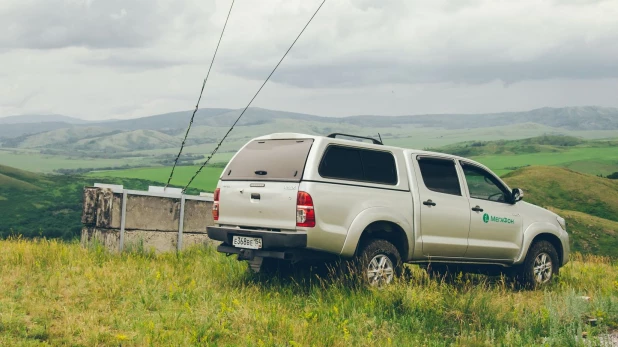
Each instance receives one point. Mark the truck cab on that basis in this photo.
(293, 196)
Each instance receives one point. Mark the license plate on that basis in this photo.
(247, 242)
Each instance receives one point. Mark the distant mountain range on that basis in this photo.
(164, 130)
(41, 118)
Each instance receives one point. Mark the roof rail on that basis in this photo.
(375, 142)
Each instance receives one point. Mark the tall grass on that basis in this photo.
(62, 294)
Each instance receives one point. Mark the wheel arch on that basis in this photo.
(388, 231)
(538, 232)
(383, 223)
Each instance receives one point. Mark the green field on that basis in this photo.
(502, 157)
(58, 293)
(206, 181)
(593, 160)
(36, 162)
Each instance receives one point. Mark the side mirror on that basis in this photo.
(518, 194)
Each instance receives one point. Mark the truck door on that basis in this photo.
(495, 224)
(445, 212)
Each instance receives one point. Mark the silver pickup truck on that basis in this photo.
(288, 197)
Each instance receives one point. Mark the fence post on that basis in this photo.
(123, 218)
(181, 221)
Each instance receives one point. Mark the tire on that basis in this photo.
(540, 267)
(379, 262)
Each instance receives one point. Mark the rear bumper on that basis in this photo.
(270, 239)
(280, 245)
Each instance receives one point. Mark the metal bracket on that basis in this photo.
(181, 222)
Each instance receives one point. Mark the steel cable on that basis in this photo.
(254, 96)
(200, 97)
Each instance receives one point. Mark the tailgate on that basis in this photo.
(268, 205)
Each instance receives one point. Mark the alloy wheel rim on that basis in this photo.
(380, 270)
(543, 268)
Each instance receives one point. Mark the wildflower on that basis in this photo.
(121, 337)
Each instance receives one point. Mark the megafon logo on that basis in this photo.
(487, 218)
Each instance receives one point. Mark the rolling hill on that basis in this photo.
(598, 157)
(41, 118)
(33, 204)
(568, 190)
(588, 203)
(566, 119)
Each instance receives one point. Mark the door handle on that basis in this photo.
(429, 203)
(477, 209)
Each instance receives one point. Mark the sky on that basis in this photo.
(104, 59)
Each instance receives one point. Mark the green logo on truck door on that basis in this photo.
(487, 218)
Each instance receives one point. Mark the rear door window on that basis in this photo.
(270, 160)
(440, 175)
(358, 164)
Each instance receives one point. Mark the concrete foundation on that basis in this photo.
(148, 221)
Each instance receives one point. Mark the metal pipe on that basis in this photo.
(123, 218)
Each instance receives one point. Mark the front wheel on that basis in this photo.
(541, 265)
(379, 262)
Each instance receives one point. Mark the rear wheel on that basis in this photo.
(379, 262)
(540, 266)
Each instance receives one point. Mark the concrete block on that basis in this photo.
(146, 240)
(110, 239)
(192, 239)
(89, 210)
(198, 215)
(152, 213)
(104, 208)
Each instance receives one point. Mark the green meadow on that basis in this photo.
(57, 293)
(592, 160)
(205, 181)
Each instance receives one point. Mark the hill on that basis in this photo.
(568, 190)
(598, 157)
(572, 118)
(588, 203)
(41, 118)
(567, 119)
(46, 205)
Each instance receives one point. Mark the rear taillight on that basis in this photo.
(215, 205)
(305, 214)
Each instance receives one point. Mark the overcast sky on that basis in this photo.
(99, 59)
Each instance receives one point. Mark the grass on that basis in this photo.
(603, 160)
(568, 190)
(206, 181)
(36, 162)
(62, 294)
(591, 234)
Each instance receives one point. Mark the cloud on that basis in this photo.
(470, 42)
(52, 24)
(129, 58)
